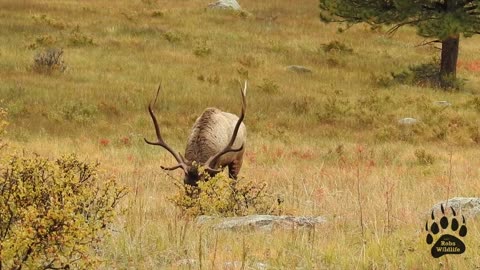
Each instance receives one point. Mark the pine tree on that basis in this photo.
(441, 20)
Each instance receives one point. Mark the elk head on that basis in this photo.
(220, 158)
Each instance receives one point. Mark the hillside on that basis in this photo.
(324, 140)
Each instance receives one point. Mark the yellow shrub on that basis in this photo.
(53, 214)
(3, 124)
(223, 196)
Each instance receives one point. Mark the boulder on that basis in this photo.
(225, 4)
(262, 222)
(469, 207)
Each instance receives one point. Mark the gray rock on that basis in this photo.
(226, 4)
(260, 266)
(407, 121)
(469, 207)
(442, 103)
(186, 262)
(251, 266)
(299, 69)
(262, 222)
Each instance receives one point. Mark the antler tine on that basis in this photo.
(160, 141)
(211, 161)
(171, 168)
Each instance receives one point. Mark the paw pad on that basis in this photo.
(446, 243)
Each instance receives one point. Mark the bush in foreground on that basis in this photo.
(223, 196)
(53, 214)
(3, 125)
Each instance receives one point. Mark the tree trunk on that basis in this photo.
(448, 62)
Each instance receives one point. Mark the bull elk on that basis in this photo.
(217, 141)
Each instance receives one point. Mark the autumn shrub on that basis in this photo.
(222, 196)
(336, 46)
(268, 86)
(54, 214)
(202, 49)
(173, 36)
(334, 109)
(303, 105)
(3, 125)
(423, 157)
(78, 38)
(78, 112)
(48, 61)
(47, 20)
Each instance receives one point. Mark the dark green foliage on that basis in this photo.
(427, 75)
(438, 19)
(442, 20)
(422, 75)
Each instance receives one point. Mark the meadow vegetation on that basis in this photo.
(327, 142)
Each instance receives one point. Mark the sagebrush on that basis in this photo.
(48, 61)
(54, 214)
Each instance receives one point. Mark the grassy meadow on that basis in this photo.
(328, 142)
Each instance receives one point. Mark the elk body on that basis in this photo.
(217, 141)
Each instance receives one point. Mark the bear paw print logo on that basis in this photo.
(446, 243)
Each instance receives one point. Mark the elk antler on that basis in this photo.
(209, 165)
(161, 142)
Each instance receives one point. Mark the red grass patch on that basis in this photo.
(126, 141)
(306, 155)
(104, 142)
(473, 66)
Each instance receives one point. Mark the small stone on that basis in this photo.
(442, 103)
(237, 265)
(299, 69)
(226, 4)
(186, 262)
(407, 121)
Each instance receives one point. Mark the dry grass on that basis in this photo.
(308, 136)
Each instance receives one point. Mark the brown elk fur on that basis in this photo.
(210, 134)
(217, 141)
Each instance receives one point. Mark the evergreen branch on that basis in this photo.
(464, 3)
(395, 28)
(428, 42)
(470, 8)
